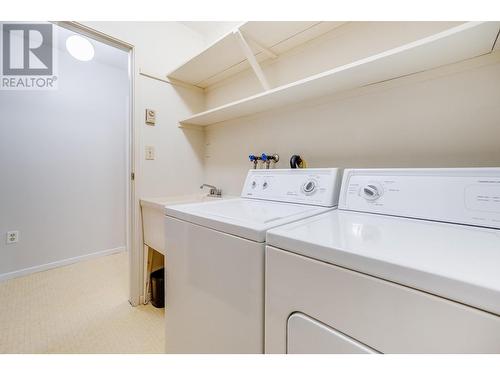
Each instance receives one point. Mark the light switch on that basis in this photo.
(150, 117)
(150, 153)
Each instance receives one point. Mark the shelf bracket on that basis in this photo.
(247, 51)
(170, 81)
(259, 46)
(496, 44)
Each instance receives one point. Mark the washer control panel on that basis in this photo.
(456, 195)
(318, 186)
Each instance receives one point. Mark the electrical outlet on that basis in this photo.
(12, 236)
(150, 152)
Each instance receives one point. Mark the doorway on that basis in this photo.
(68, 149)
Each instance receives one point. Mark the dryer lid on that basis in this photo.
(458, 262)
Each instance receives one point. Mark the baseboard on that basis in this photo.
(59, 263)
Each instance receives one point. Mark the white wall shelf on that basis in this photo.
(267, 39)
(453, 45)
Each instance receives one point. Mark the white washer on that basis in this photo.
(409, 263)
(215, 258)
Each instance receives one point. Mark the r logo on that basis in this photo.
(27, 49)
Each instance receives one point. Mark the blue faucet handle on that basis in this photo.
(264, 157)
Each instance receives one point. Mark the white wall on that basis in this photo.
(63, 162)
(443, 117)
(178, 168)
(159, 48)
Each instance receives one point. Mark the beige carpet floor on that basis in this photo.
(80, 308)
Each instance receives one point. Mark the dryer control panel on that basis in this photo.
(315, 186)
(457, 195)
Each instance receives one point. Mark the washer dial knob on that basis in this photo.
(309, 187)
(371, 191)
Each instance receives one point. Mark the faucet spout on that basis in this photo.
(214, 191)
(207, 185)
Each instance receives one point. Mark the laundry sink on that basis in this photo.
(153, 216)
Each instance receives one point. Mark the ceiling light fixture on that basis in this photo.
(80, 48)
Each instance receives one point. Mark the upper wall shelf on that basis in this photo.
(225, 57)
(453, 45)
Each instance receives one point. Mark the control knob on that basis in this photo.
(309, 187)
(372, 191)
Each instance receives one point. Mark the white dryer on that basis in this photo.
(409, 263)
(215, 258)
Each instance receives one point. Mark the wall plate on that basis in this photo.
(12, 236)
(150, 117)
(150, 152)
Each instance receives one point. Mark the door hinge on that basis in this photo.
(132, 176)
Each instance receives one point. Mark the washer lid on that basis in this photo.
(458, 262)
(247, 218)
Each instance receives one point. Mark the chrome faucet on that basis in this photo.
(214, 191)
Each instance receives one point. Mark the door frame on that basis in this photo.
(133, 219)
